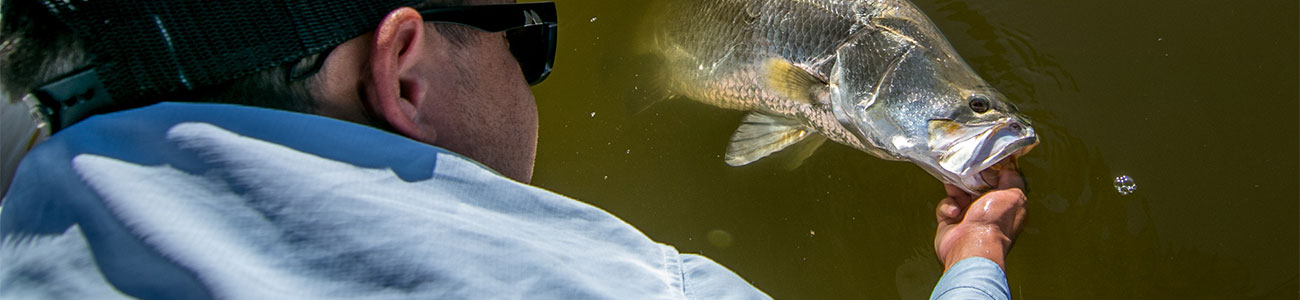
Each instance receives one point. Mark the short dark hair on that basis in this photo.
(36, 48)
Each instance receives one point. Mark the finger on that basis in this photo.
(947, 210)
(958, 194)
(953, 191)
(1006, 208)
(1010, 178)
(1004, 200)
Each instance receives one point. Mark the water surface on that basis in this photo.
(1195, 101)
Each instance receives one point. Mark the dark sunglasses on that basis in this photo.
(530, 28)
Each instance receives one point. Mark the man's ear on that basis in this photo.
(394, 88)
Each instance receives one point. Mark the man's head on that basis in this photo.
(443, 84)
(468, 97)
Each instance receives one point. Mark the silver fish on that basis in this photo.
(873, 75)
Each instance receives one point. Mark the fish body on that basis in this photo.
(875, 75)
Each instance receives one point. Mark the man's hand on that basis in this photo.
(983, 226)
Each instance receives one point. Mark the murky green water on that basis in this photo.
(1194, 100)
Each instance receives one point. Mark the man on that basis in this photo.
(393, 161)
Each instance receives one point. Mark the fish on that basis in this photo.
(874, 75)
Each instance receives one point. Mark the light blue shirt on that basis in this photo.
(195, 201)
(973, 278)
(199, 201)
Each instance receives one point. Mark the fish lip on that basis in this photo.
(1023, 146)
(969, 178)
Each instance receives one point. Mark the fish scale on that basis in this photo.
(731, 87)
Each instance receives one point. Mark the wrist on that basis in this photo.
(986, 242)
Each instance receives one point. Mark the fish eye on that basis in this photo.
(979, 104)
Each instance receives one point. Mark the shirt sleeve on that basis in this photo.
(973, 278)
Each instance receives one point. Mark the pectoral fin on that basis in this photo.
(791, 81)
(760, 135)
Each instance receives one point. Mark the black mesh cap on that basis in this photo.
(148, 48)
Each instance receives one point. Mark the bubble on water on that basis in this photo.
(1125, 185)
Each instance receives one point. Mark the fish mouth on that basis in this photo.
(970, 156)
(988, 176)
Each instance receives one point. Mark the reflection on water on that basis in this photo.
(720, 238)
(1203, 112)
(916, 277)
(1066, 189)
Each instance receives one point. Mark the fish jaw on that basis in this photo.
(960, 154)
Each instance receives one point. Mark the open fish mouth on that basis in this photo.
(989, 177)
(969, 156)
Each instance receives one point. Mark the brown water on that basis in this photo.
(1195, 100)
